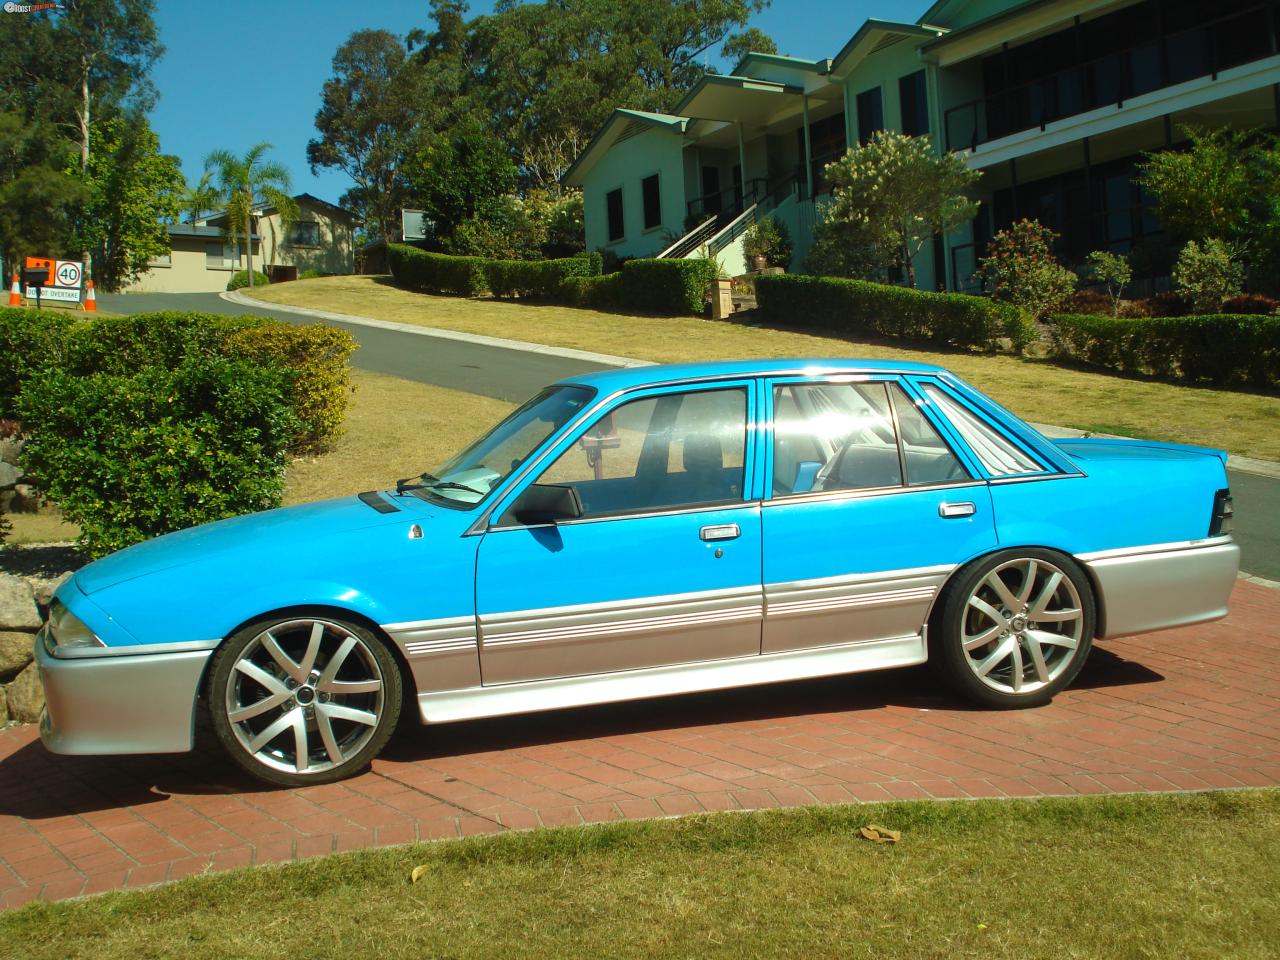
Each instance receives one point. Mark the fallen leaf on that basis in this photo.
(419, 872)
(880, 834)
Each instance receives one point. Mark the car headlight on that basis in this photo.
(68, 631)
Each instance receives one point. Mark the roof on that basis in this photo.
(301, 198)
(611, 381)
(869, 36)
(619, 121)
(192, 230)
(774, 59)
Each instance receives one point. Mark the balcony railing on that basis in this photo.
(1200, 51)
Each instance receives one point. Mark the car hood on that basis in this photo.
(324, 518)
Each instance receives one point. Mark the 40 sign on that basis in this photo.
(64, 279)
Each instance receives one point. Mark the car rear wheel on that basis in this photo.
(1015, 628)
(304, 700)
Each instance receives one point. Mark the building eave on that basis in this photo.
(601, 141)
(868, 37)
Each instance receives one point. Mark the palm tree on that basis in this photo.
(198, 200)
(242, 182)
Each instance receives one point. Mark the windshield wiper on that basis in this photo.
(433, 482)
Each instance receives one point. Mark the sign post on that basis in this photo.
(53, 279)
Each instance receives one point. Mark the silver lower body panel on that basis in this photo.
(1163, 586)
(538, 695)
(120, 704)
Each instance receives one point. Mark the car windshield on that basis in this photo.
(467, 477)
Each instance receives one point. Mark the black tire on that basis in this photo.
(974, 607)
(274, 686)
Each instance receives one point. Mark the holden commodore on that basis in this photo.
(636, 533)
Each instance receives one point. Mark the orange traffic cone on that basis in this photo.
(15, 293)
(90, 301)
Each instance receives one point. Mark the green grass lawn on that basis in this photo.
(1244, 423)
(1162, 876)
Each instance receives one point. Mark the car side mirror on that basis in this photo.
(544, 503)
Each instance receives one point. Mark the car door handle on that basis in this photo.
(720, 531)
(964, 508)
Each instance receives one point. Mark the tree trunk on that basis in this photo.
(248, 245)
(85, 255)
(907, 266)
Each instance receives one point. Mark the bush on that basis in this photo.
(1207, 274)
(862, 308)
(1020, 268)
(123, 345)
(666, 286)
(436, 272)
(535, 278)
(1090, 302)
(30, 341)
(1167, 304)
(1250, 303)
(320, 383)
(598, 292)
(241, 279)
(1113, 271)
(768, 238)
(134, 456)
(1219, 348)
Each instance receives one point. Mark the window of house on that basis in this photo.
(657, 453)
(221, 256)
(305, 234)
(915, 104)
(161, 260)
(652, 202)
(613, 210)
(870, 114)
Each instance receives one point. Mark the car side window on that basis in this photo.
(658, 453)
(999, 456)
(854, 436)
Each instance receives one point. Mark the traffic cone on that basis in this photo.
(15, 293)
(90, 301)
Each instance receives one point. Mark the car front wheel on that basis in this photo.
(1015, 628)
(305, 699)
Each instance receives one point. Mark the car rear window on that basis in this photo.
(998, 455)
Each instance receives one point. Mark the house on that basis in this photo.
(202, 258)
(1054, 101)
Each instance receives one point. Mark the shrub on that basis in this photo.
(122, 345)
(1167, 304)
(1113, 271)
(861, 308)
(30, 341)
(1089, 302)
(134, 456)
(320, 384)
(1219, 348)
(241, 279)
(598, 292)
(436, 272)
(1206, 275)
(1250, 303)
(1020, 268)
(666, 286)
(534, 278)
(768, 238)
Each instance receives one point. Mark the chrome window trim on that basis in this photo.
(868, 492)
(1036, 478)
(649, 514)
(132, 650)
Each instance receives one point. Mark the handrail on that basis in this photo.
(732, 230)
(696, 235)
(1079, 72)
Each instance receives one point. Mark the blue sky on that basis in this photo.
(218, 90)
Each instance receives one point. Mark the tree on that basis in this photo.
(199, 199)
(459, 174)
(1203, 191)
(242, 182)
(751, 40)
(1207, 274)
(133, 190)
(39, 198)
(1113, 271)
(364, 121)
(1020, 268)
(895, 192)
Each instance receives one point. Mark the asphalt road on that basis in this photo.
(515, 375)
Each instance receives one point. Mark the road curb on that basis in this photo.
(1251, 465)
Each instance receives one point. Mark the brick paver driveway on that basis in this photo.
(1187, 709)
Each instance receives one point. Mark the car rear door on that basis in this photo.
(662, 568)
(867, 511)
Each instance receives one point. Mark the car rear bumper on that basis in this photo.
(119, 702)
(1163, 585)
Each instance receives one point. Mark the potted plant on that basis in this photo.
(767, 243)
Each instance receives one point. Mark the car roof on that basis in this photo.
(627, 378)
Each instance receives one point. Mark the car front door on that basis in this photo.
(868, 510)
(663, 565)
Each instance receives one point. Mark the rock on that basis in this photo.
(16, 651)
(4, 706)
(9, 450)
(26, 696)
(9, 475)
(17, 604)
(45, 589)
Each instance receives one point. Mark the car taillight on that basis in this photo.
(1223, 512)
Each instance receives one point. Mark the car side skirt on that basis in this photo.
(1165, 585)
(535, 696)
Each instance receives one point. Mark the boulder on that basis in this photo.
(9, 475)
(16, 651)
(26, 696)
(4, 707)
(17, 604)
(9, 450)
(45, 589)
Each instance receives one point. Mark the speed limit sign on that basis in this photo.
(67, 274)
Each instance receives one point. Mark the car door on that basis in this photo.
(663, 565)
(867, 511)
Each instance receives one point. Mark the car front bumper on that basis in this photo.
(119, 700)
(1165, 585)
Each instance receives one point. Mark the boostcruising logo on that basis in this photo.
(11, 7)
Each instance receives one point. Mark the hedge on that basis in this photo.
(1218, 348)
(874, 309)
(122, 345)
(30, 341)
(240, 279)
(133, 456)
(659, 286)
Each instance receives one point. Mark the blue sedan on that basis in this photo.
(640, 533)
